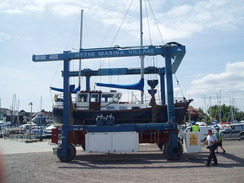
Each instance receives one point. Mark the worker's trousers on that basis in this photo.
(212, 156)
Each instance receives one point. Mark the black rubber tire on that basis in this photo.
(71, 153)
(160, 145)
(242, 136)
(172, 154)
(83, 146)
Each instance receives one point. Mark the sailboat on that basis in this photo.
(92, 107)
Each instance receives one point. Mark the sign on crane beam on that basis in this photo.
(176, 52)
(110, 52)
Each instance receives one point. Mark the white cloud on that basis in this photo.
(230, 83)
(185, 20)
(177, 21)
(4, 36)
(30, 6)
(65, 9)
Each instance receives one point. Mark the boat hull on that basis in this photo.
(88, 117)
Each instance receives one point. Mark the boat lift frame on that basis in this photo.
(172, 52)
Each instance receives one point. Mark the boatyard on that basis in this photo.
(118, 111)
(38, 164)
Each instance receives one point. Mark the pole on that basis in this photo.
(30, 127)
(142, 57)
(81, 27)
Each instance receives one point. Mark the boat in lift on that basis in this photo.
(104, 108)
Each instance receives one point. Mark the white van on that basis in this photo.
(203, 131)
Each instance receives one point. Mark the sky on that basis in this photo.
(211, 73)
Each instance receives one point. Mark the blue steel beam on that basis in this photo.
(177, 53)
(102, 53)
(66, 119)
(170, 101)
(122, 127)
(117, 71)
(169, 83)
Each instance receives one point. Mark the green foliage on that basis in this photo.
(225, 113)
(200, 110)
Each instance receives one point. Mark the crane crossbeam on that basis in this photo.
(117, 71)
(110, 52)
(177, 53)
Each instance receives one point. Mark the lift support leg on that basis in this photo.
(172, 149)
(66, 152)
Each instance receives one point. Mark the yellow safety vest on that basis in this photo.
(219, 136)
(195, 128)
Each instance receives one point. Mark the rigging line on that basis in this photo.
(178, 83)
(122, 23)
(75, 30)
(94, 80)
(109, 30)
(71, 35)
(103, 62)
(54, 76)
(51, 96)
(156, 22)
(55, 73)
(149, 31)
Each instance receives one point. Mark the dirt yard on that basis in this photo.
(147, 165)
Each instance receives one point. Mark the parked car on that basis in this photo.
(234, 131)
(48, 131)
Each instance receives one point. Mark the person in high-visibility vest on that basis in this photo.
(219, 136)
(194, 127)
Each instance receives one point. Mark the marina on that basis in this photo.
(94, 111)
(129, 101)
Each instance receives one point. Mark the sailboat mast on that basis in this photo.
(81, 28)
(142, 57)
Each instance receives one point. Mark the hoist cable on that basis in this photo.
(122, 22)
(178, 84)
(156, 21)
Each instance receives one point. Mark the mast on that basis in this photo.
(81, 27)
(142, 57)
(220, 106)
(210, 111)
(41, 104)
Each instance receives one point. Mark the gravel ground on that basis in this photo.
(147, 165)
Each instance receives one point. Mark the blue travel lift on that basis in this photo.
(173, 53)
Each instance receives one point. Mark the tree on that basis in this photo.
(225, 113)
